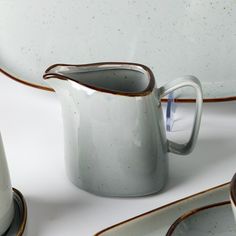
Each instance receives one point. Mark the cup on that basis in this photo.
(6, 193)
(233, 195)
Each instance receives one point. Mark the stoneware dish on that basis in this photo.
(216, 219)
(233, 195)
(174, 38)
(121, 102)
(158, 221)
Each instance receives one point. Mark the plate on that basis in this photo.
(172, 38)
(158, 221)
(18, 225)
(216, 219)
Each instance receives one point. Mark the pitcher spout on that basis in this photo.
(129, 79)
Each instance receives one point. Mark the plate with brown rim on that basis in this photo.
(216, 219)
(158, 221)
(172, 38)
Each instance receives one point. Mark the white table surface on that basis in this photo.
(31, 126)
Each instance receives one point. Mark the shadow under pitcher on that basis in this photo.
(115, 140)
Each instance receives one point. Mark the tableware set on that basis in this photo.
(121, 101)
(114, 134)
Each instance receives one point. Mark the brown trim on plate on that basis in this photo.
(233, 189)
(182, 100)
(23, 223)
(121, 65)
(205, 100)
(157, 209)
(25, 82)
(192, 212)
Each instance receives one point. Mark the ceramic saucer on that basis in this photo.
(18, 224)
(216, 219)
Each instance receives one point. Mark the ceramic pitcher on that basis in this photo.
(115, 141)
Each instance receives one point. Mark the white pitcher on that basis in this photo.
(115, 141)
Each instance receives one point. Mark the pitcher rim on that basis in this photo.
(142, 68)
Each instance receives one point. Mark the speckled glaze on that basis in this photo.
(6, 197)
(233, 195)
(216, 219)
(173, 37)
(157, 221)
(115, 141)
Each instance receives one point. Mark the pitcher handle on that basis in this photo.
(186, 81)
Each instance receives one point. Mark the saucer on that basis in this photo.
(18, 224)
(216, 219)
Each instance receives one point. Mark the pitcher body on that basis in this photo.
(115, 141)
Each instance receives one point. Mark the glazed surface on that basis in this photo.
(173, 38)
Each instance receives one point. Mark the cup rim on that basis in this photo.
(22, 224)
(233, 190)
(121, 65)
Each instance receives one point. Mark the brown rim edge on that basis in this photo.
(159, 208)
(192, 212)
(205, 100)
(146, 91)
(37, 86)
(233, 189)
(45, 88)
(23, 223)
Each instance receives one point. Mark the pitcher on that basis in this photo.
(115, 141)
